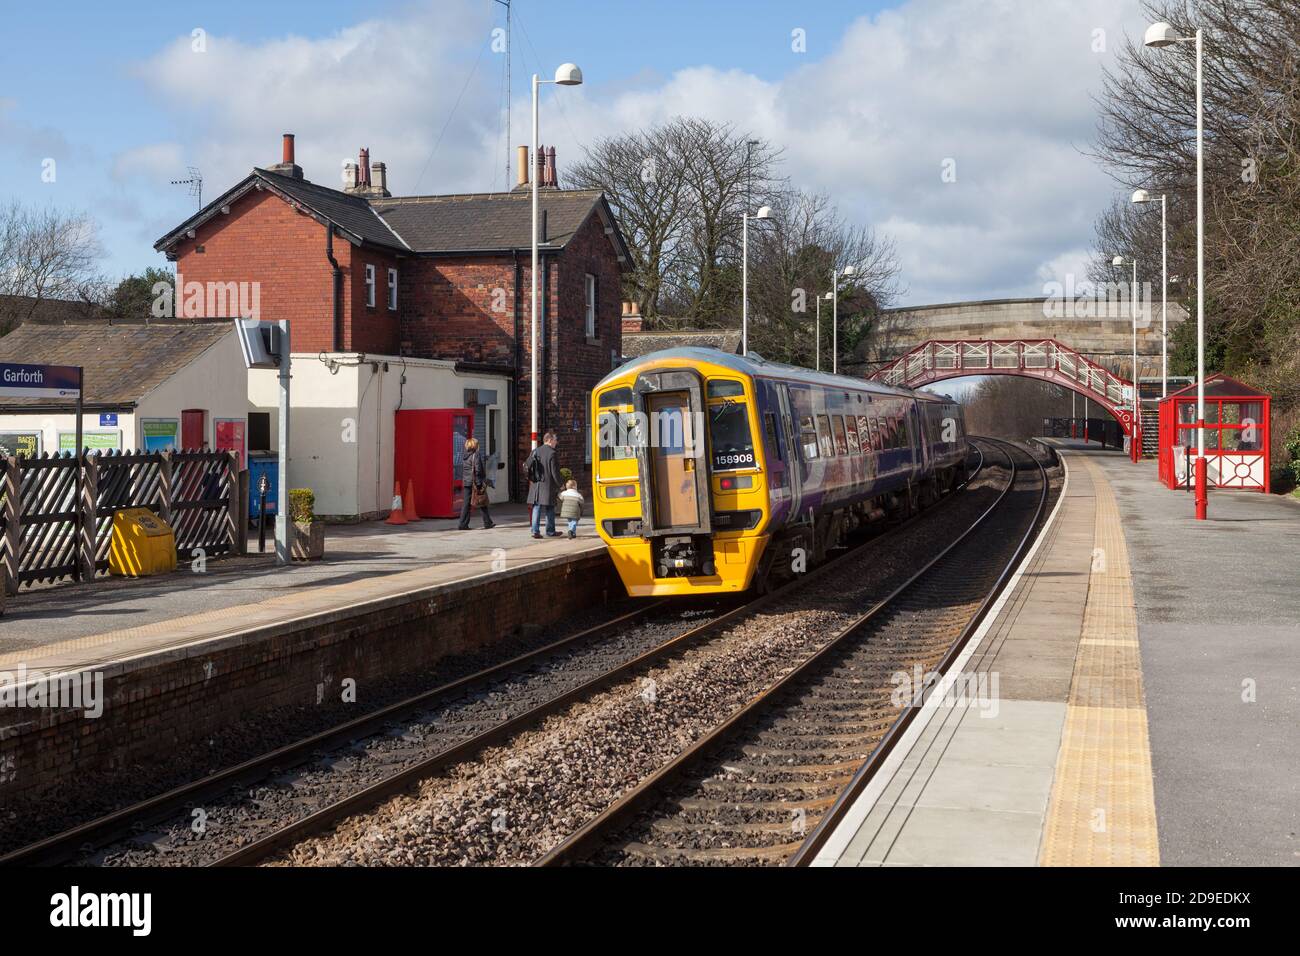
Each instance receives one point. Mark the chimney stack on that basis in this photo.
(380, 187)
(349, 177)
(287, 166)
(521, 167)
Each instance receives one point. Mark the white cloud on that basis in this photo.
(1002, 88)
(155, 161)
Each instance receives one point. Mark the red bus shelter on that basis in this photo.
(1236, 435)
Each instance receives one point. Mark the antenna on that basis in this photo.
(509, 148)
(195, 182)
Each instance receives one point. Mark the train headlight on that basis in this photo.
(735, 482)
(620, 491)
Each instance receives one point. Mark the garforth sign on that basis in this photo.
(39, 381)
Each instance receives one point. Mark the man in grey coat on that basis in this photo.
(541, 494)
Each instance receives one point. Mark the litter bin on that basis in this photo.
(142, 544)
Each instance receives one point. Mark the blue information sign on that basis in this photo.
(39, 381)
(107, 418)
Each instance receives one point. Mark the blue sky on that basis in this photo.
(118, 96)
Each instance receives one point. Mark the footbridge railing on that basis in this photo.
(1045, 359)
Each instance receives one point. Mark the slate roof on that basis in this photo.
(123, 363)
(480, 222)
(636, 344)
(470, 222)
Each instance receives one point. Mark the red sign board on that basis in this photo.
(230, 437)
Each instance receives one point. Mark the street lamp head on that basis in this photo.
(1141, 195)
(849, 271)
(1160, 34)
(764, 212)
(568, 74)
(1117, 261)
(829, 296)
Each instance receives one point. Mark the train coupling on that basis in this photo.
(684, 557)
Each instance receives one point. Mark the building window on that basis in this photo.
(392, 290)
(591, 306)
(259, 431)
(370, 286)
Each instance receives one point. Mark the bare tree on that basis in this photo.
(45, 255)
(790, 266)
(1252, 171)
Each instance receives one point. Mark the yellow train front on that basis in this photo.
(679, 495)
(715, 471)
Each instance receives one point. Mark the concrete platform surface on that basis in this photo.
(1218, 613)
(61, 625)
(1142, 703)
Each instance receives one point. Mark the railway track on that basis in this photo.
(466, 739)
(768, 785)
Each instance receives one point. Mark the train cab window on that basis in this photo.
(808, 437)
(841, 442)
(724, 388)
(619, 435)
(851, 423)
(825, 443)
(616, 396)
(769, 426)
(733, 446)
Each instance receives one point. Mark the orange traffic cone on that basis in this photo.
(412, 513)
(395, 514)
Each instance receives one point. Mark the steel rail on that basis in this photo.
(583, 841)
(815, 840)
(369, 796)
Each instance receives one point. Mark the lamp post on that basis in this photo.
(1142, 196)
(1136, 428)
(818, 339)
(566, 75)
(835, 315)
(764, 214)
(1162, 35)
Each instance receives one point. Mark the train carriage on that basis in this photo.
(714, 471)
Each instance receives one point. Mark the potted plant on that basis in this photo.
(306, 531)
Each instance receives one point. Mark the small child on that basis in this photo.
(571, 506)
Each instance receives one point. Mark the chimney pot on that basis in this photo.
(521, 166)
(349, 176)
(363, 166)
(551, 179)
(287, 151)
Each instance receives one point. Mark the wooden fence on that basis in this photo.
(52, 532)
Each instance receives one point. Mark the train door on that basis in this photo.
(674, 460)
(789, 429)
(677, 499)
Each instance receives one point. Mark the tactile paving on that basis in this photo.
(1102, 809)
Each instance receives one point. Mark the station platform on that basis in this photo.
(1108, 726)
(180, 659)
(63, 627)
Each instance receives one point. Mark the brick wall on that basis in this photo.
(265, 240)
(160, 708)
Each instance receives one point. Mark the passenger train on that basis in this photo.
(715, 472)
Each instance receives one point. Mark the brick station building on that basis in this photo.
(365, 275)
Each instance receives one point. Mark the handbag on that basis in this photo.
(478, 497)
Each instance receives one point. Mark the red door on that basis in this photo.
(194, 432)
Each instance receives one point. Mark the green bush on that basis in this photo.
(566, 474)
(302, 504)
(1292, 446)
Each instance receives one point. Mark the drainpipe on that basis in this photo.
(338, 286)
(512, 479)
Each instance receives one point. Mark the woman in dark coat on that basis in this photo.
(473, 475)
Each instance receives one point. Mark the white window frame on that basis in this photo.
(589, 296)
(392, 290)
(370, 286)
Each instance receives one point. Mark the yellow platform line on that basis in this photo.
(1102, 810)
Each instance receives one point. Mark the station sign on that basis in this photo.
(39, 381)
